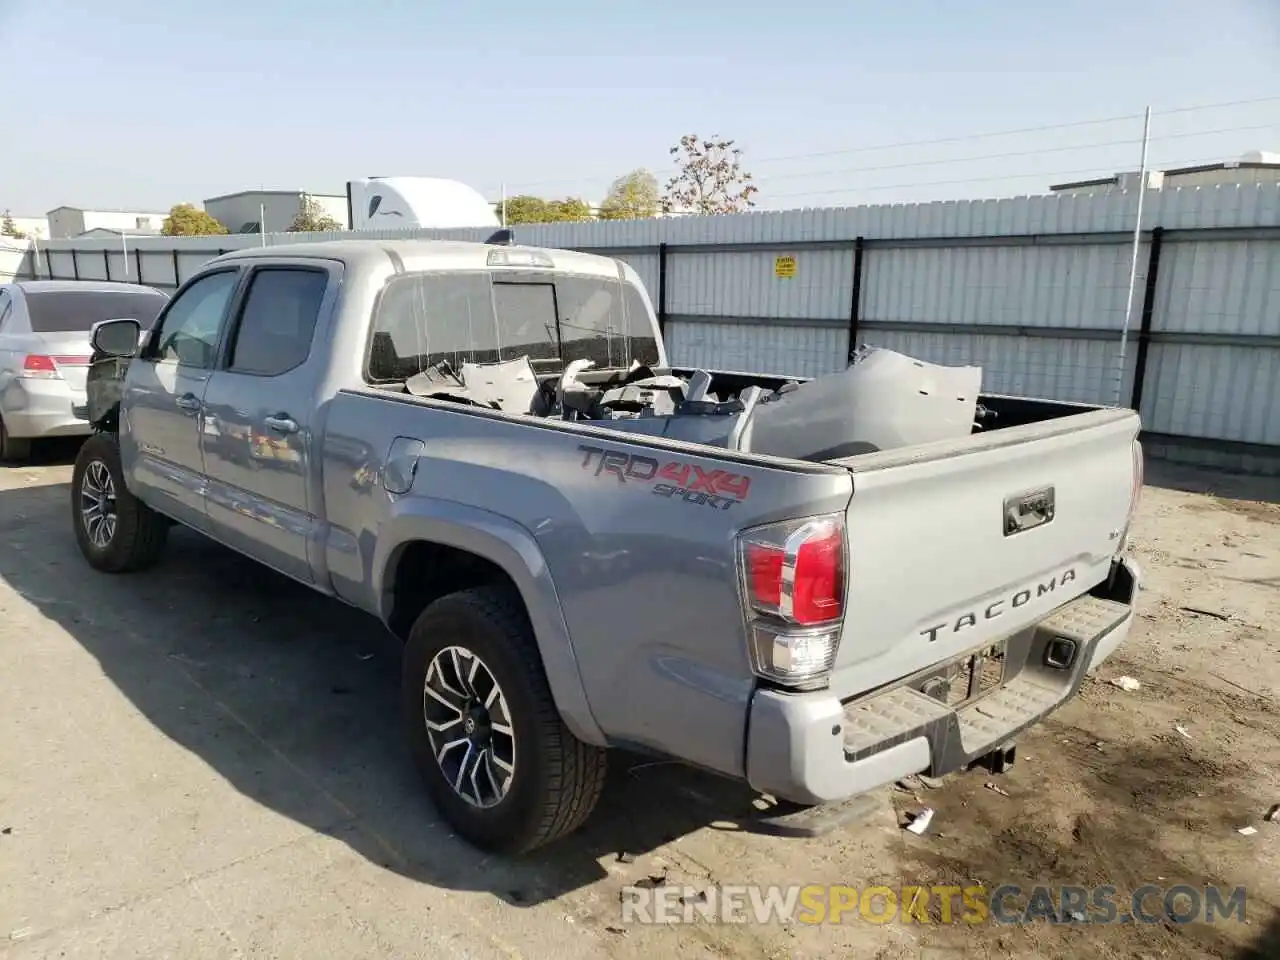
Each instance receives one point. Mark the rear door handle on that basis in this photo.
(282, 423)
(188, 401)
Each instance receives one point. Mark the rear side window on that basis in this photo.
(75, 311)
(278, 320)
(481, 317)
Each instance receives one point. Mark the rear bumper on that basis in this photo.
(42, 408)
(811, 748)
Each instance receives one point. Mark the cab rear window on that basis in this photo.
(483, 316)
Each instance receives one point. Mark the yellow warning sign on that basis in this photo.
(784, 266)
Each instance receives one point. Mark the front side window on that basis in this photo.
(278, 320)
(189, 330)
(484, 316)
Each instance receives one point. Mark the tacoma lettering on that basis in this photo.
(997, 608)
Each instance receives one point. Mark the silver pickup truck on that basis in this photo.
(484, 446)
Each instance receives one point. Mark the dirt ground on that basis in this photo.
(205, 761)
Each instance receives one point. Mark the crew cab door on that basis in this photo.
(260, 411)
(163, 395)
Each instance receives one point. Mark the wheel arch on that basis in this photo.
(428, 549)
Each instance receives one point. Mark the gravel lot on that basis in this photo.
(205, 761)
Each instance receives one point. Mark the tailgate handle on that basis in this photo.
(1028, 510)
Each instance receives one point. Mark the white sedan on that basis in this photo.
(44, 352)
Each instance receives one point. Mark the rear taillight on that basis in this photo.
(793, 582)
(39, 367)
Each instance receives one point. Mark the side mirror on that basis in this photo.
(116, 338)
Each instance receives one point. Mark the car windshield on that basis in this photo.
(76, 311)
(483, 316)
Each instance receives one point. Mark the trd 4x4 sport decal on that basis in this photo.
(673, 479)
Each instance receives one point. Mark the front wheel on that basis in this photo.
(115, 530)
(497, 759)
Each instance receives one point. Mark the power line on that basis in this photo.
(1011, 133)
(1011, 154)
(1217, 106)
(939, 141)
(1042, 174)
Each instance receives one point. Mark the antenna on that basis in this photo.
(1133, 259)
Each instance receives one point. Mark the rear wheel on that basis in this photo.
(115, 530)
(13, 448)
(497, 760)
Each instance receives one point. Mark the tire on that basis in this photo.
(554, 779)
(13, 449)
(137, 537)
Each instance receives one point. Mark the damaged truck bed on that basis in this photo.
(816, 586)
(881, 401)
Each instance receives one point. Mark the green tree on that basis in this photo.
(634, 196)
(710, 178)
(570, 208)
(10, 229)
(311, 218)
(187, 220)
(525, 208)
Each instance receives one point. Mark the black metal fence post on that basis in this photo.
(106, 262)
(177, 277)
(75, 265)
(137, 263)
(1148, 313)
(855, 302)
(48, 261)
(662, 290)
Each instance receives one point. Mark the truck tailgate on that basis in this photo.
(957, 545)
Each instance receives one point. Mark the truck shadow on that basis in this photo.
(1216, 483)
(1267, 946)
(292, 698)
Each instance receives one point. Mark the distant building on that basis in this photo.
(67, 222)
(250, 211)
(106, 233)
(1253, 167)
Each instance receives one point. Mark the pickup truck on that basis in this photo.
(401, 425)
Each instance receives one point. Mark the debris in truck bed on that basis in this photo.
(882, 400)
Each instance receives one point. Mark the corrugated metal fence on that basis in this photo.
(1033, 289)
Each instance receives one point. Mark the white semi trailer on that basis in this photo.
(403, 203)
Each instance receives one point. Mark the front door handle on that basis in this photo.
(282, 423)
(188, 401)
